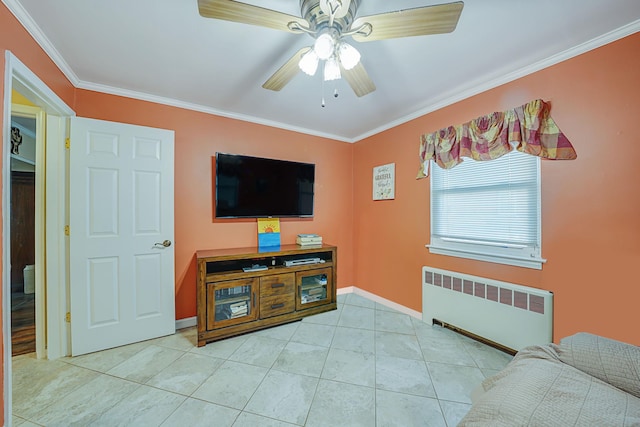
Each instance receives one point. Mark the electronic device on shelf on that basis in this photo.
(255, 267)
(303, 261)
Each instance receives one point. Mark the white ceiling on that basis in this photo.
(164, 51)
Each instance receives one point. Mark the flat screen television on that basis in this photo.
(255, 187)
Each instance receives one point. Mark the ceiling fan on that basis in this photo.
(329, 22)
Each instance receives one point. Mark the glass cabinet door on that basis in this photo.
(232, 302)
(314, 287)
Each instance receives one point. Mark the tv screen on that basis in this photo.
(254, 187)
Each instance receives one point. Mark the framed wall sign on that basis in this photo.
(384, 178)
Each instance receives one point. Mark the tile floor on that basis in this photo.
(361, 365)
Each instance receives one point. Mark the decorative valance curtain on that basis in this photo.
(528, 128)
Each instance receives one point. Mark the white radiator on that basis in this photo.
(511, 315)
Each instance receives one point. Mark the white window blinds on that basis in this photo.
(488, 210)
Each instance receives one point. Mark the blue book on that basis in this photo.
(268, 232)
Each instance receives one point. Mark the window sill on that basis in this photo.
(534, 263)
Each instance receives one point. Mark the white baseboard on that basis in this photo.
(186, 323)
(192, 321)
(345, 290)
(380, 300)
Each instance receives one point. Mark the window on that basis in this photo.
(488, 211)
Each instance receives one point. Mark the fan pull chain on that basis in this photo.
(335, 94)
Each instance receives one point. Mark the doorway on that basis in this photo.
(26, 211)
(51, 115)
(23, 221)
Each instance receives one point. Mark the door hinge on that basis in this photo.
(67, 318)
(67, 143)
(67, 231)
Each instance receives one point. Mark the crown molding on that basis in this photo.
(452, 97)
(482, 86)
(203, 109)
(34, 30)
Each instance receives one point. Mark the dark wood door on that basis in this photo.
(23, 219)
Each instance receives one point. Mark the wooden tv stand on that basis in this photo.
(231, 301)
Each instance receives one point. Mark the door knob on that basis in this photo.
(165, 244)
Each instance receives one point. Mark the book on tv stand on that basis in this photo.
(306, 240)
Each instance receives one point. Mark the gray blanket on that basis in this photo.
(585, 381)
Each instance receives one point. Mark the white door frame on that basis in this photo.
(19, 77)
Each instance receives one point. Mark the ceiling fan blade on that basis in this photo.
(358, 79)
(285, 73)
(229, 10)
(420, 21)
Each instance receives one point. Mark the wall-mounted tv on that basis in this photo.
(255, 187)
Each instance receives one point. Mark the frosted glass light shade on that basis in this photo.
(349, 56)
(309, 63)
(324, 46)
(331, 69)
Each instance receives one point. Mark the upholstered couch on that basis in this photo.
(586, 380)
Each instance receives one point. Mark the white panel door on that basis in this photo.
(121, 212)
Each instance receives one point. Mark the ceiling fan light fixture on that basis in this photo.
(324, 46)
(331, 69)
(309, 63)
(349, 55)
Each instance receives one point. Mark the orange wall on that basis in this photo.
(590, 206)
(197, 138)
